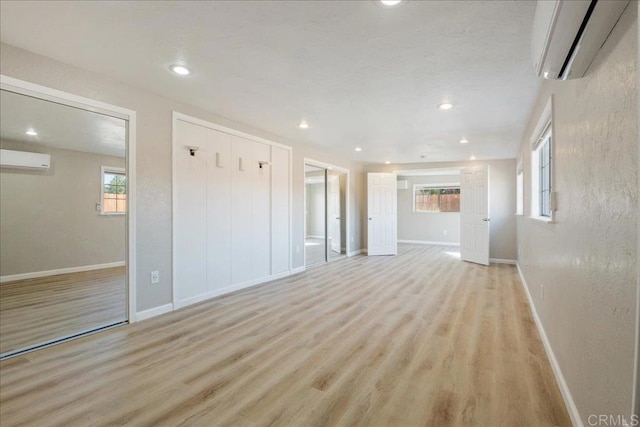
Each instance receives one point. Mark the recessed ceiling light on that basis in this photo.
(390, 2)
(387, 162)
(445, 106)
(358, 149)
(180, 69)
(464, 141)
(472, 158)
(31, 132)
(303, 125)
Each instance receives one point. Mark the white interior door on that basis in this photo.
(474, 214)
(382, 213)
(334, 213)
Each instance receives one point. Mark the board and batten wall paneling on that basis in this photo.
(260, 211)
(219, 174)
(241, 253)
(280, 230)
(190, 239)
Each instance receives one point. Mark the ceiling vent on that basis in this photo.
(24, 160)
(567, 35)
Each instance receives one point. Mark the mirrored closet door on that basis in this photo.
(63, 222)
(325, 214)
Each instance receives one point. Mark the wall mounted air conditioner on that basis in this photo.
(567, 35)
(24, 160)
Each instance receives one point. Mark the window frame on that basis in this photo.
(112, 170)
(543, 136)
(450, 185)
(520, 188)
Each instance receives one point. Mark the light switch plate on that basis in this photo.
(155, 277)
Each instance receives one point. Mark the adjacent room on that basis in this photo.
(319, 213)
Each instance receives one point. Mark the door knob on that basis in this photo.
(369, 219)
(486, 219)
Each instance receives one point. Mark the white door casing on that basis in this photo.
(334, 213)
(382, 214)
(474, 214)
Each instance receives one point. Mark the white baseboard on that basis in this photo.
(153, 312)
(36, 274)
(564, 388)
(503, 261)
(297, 270)
(356, 252)
(208, 295)
(428, 242)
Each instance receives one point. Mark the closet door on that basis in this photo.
(279, 210)
(261, 211)
(190, 204)
(219, 174)
(241, 209)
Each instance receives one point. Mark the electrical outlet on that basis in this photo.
(155, 277)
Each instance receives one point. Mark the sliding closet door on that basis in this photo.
(190, 204)
(219, 174)
(279, 210)
(261, 211)
(241, 207)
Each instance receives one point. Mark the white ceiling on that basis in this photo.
(60, 126)
(361, 74)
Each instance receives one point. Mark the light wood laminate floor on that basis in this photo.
(420, 339)
(44, 309)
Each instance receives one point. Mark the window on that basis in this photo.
(541, 175)
(430, 198)
(520, 189)
(544, 151)
(114, 191)
(542, 167)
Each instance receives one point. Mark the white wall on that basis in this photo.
(426, 226)
(502, 200)
(153, 162)
(48, 218)
(587, 259)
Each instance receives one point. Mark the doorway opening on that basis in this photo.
(326, 233)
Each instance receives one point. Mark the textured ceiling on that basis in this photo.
(60, 126)
(359, 73)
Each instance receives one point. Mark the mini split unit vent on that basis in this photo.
(567, 35)
(24, 160)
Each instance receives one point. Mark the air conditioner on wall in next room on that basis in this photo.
(24, 160)
(567, 35)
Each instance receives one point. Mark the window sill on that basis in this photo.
(544, 219)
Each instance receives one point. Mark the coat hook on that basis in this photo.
(192, 150)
